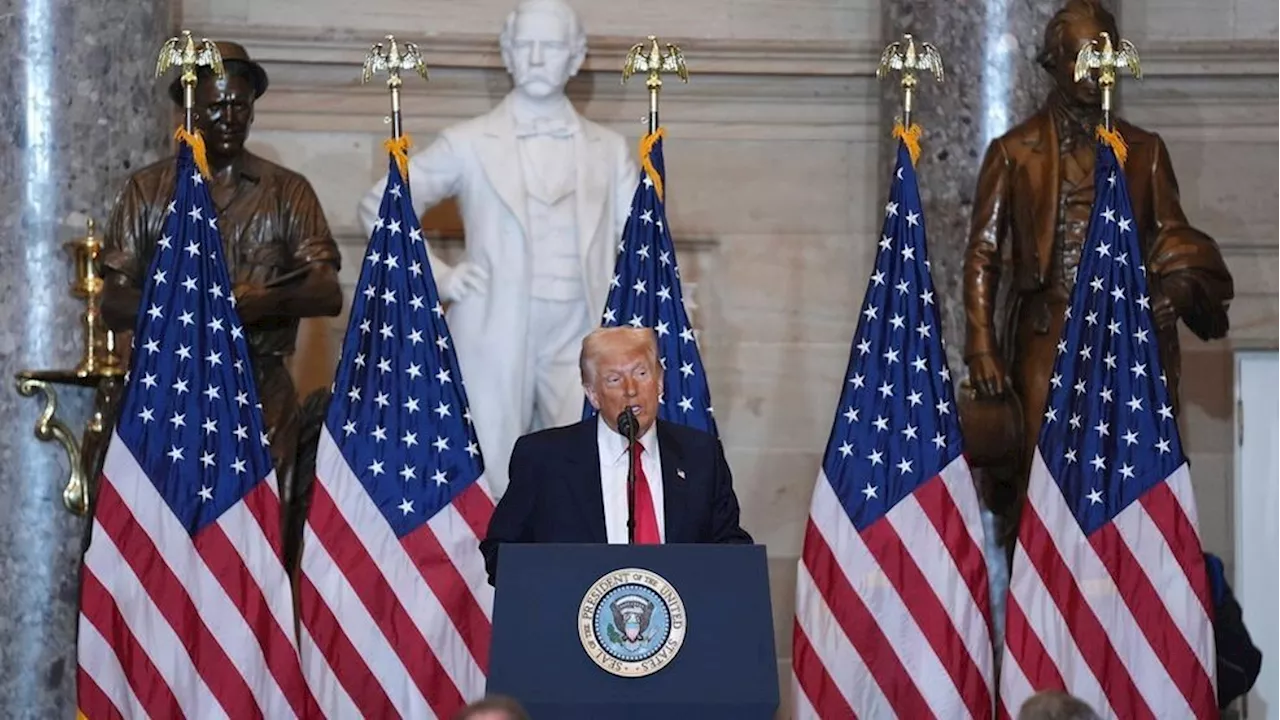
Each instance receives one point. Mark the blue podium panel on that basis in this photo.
(700, 614)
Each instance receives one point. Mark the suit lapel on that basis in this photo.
(499, 155)
(584, 479)
(674, 488)
(592, 184)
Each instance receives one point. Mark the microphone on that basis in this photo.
(627, 423)
(627, 426)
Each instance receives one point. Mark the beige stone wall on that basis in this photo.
(772, 159)
(1147, 20)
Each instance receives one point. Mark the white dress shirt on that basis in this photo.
(613, 479)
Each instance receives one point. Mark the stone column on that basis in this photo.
(80, 110)
(992, 82)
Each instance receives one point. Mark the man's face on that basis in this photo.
(1077, 34)
(224, 111)
(625, 376)
(541, 58)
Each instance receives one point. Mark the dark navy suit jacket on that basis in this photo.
(555, 494)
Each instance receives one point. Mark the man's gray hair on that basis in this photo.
(1056, 705)
(577, 35)
(597, 340)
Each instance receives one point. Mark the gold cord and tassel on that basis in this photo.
(910, 137)
(399, 149)
(646, 148)
(1113, 139)
(196, 142)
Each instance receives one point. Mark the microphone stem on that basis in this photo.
(631, 493)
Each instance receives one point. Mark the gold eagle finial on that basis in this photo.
(904, 56)
(186, 52)
(655, 62)
(1106, 60)
(395, 57)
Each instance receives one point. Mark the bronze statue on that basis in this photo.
(1031, 213)
(280, 255)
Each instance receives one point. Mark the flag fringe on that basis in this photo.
(910, 137)
(1113, 139)
(646, 148)
(196, 142)
(399, 149)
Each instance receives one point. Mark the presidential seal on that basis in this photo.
(632, 622)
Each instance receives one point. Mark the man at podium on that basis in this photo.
(574, 484)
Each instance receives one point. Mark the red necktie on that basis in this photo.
(646, 518)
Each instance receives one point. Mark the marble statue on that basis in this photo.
(544, 194)
(280, 254)
(1033, 201)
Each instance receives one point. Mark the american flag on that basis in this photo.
(892, 609)
(645, 292)
(395, 602)
(1108, 597)
(185, 607)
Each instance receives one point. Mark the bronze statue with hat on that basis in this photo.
(280, 254)
(1030, 220)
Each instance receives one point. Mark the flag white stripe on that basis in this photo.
(329, 693)
(882, 600)
(1180, 483)
(1100, 592)
(958, 479)
(801, 708)
(1014, 686)
(99, 661)
(841, 660)
(422, 606)
(931, 555)
(153, 633)
(264, 566)
(224, 619)
(463, 549)
(1045, 621)
(375, 650)
(1154, 556)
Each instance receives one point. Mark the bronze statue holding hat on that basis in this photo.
(281, 256)
(1030, 219)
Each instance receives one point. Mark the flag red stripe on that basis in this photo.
(442, 576)
(264, 506)
(366, 579)
(1180, 534)
(1023, 645)
(171, 599)
(91, 701)
(940, 507)
(921, 601)
(476, 508)
(860, 626)
(815, 681)
(344, 659)
(149, 686)
(225, 563)
(1090, 636)
(1154, 620)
